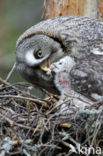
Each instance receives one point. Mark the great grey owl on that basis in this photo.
(50, 40)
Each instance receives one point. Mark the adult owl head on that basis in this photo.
(49, 40)
(32, 57)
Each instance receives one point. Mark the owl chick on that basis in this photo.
(62, 69)
(62, 80)
(84, 77)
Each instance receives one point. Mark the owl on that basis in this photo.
(50, 40)
(84, 77)
(70, 98)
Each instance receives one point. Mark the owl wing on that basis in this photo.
(87, 76)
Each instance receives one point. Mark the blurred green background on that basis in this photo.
(15, 17)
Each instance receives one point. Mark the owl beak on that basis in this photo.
(45, 66)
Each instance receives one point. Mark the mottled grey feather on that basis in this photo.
(78, 35)
(87, 76)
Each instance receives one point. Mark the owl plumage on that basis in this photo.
(78, 37)
(87, 77)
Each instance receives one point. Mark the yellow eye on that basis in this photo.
(38, 54)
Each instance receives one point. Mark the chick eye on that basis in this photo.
(38, 54)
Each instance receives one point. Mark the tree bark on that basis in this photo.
(54, 8)
(100, 9)
(89, 8)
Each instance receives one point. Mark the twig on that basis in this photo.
(72, 97)
(8, 84)
(79, 98)
(2, 153)
(11, 72)
(96, 131)
(13, 87)
(26, 136)
(7, 119)
(13, 123)
(56, 106)
(25, 98)
(25, 94)
(69, 146)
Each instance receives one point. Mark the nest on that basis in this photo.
(34, 127)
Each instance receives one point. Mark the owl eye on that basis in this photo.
(38, 54)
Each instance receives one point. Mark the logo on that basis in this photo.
(86, 150)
